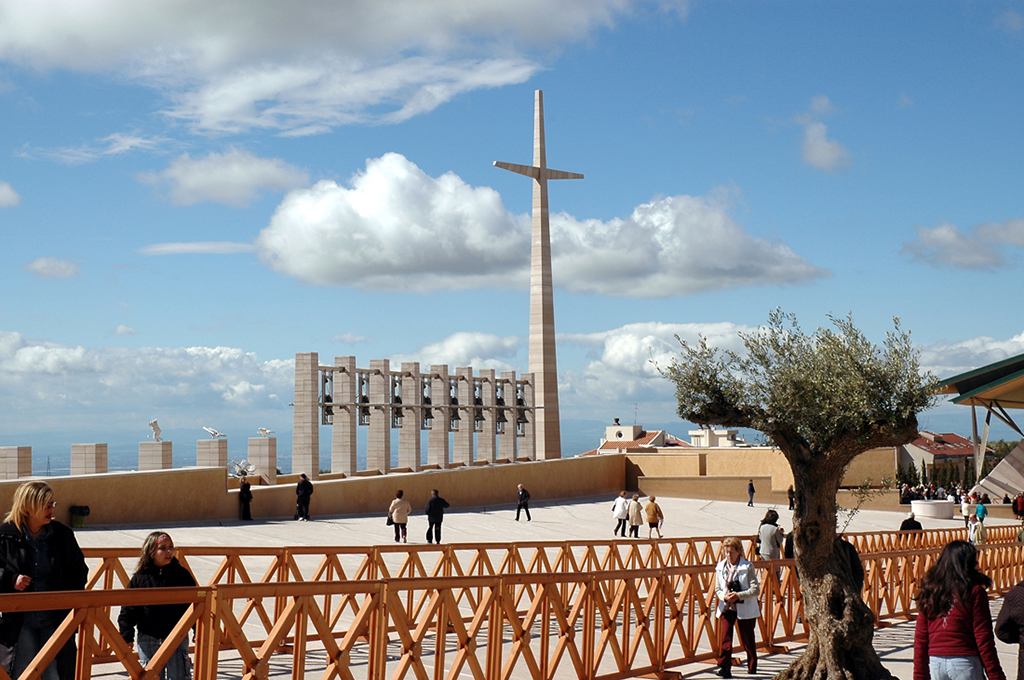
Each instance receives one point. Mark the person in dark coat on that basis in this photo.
(524, 503)
(245, 498)
(1010, 623)
(37, 554)
(435, 515)
(303, 492)
(158, 568)
(911, 524)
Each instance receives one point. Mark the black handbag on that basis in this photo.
(390, 521)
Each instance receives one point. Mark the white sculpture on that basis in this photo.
(156, 431)
(214, 433)
(264, 432)
(242, 468)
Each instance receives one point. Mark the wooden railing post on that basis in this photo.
(208, 636)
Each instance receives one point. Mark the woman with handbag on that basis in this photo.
(737, 588)
(398, 515)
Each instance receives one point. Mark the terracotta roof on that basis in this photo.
(944, 444)
(644, 441)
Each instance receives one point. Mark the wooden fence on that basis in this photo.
(593, 610)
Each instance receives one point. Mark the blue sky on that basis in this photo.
(191, 192)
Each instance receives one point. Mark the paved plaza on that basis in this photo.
(580, 518)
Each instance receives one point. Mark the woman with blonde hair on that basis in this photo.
(737, 588)
(37, 554)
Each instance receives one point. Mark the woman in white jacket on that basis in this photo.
(737, 588)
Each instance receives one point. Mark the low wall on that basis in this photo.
(663, 465)
(202, 493)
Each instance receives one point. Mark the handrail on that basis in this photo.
(599, 624)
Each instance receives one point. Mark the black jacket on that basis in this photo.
(68, 572)
(156, 620)
(524, 495)
(435, 509)
(911, 525)
(304, 489)
(1010, 623)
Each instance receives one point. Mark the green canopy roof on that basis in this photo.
(1000, 383)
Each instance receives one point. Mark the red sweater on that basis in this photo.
(965, 630)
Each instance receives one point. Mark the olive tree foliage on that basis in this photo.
(822, 399)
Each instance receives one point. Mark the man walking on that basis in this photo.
(435, 515)
(524, 503)
(620, 511)
(303, 492)
(750, 493)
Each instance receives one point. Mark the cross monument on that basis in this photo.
(542, 308)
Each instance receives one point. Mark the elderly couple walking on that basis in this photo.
(630, 512)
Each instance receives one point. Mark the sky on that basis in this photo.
(192, 192)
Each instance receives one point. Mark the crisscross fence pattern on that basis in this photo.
(600, 611)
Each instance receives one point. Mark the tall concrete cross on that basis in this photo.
(542, 307)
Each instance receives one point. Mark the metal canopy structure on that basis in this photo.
(996, 388)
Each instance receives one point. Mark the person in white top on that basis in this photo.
(620, 511)
(737, 588)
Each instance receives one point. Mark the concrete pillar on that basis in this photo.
(343, 431)
(15, 462)
(378, 443)
(156, 456)
(306, 422)
(463, 439)
(409, 435)
(212, 452)
(485, 438)
(263, 454)
(437, 440)
(88, 459)
(528, 442)
(507, 440)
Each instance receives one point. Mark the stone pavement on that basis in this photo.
(578, 518)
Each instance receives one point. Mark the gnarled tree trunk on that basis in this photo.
(841, 625)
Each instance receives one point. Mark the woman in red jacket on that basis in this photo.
(953, 639)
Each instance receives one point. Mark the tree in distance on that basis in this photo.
(822, 399)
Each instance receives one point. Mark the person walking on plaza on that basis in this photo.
(981, 510)
(791, 495)
(158, 568)
(965, 510)
(976, 534)
(37, 554)
(245, 498)
(750, 493)
(911, 524)
(303, 492)
(737, 589)
(654, 517)
(1010, 623)
(620, 512)
(399, 513)
(435, 515)
(770, 537)
(953, 638)
(524, 503)
(636, 516)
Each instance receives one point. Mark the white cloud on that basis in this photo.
(198, 248)
(818, 149)
(1011, 21)
(350, 338)
(306, 65)
(122, 387)
(234, 178)
(8, 196)
(111, 145)
(396, 228)
(479, 350)
(125, 330)
(977, 248)
(52, 268)
(946, 359)
(624, 367)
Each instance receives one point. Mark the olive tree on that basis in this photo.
(822, 399)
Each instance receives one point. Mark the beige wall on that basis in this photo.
(202, 493)
(872, 465)
(751, 462)
(663, 465)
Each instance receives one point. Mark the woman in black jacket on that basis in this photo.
(158, 568)
(37, 554)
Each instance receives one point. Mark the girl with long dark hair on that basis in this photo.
(953, 639)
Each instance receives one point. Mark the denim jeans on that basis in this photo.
(178, 668)
(34, 634)
(956, 668)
